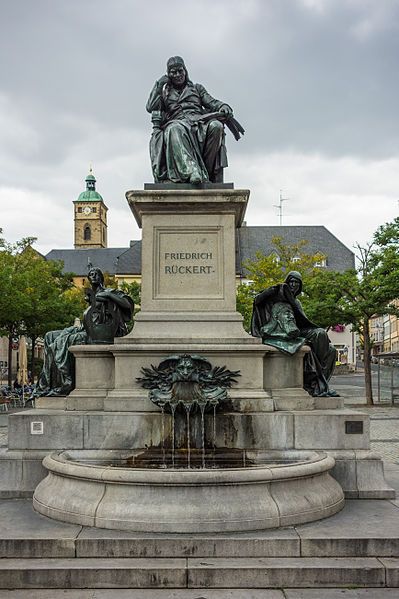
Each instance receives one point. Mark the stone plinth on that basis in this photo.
(188, 266)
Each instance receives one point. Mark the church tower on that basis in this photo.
(90, 217)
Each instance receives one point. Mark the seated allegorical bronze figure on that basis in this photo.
(278, 318)
(105, 318)
(187, 143)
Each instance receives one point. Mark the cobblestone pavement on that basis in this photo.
(384, 430)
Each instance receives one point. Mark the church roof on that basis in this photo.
(107, 259)
(320, 240)
(127, 260)
(90, 195)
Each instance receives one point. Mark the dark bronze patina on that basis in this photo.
(187, 380)
(105, 318)
(187, 143)
(278, 318)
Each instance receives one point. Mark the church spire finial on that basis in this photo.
(91, 180)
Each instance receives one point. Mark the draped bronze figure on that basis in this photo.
(105, 318)
(187, 143)
(278, 318)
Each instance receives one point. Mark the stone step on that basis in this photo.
(325, 593)
(81, 573)
(167, 594)
(283, 543)
(197, 573)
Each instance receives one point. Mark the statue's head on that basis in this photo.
(294, 282)
(95, 276)
(185, 368)
(282, 322)
(177, 71)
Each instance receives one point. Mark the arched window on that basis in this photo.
(87, 233)
(103, 234)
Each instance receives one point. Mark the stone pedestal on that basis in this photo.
(188, 266)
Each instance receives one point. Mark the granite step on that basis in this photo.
(198, 573)
(367, 528)
(321, 593)
(259, 545)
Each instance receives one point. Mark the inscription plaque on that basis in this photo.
(188, 263)
(354, 427)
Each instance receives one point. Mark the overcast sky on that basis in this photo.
(314, 83)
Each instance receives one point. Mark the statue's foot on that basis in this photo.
(195, 179)
(55, 392)
(333, 393)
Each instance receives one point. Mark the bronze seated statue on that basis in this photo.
(278, 318)
(105, 318)
(187, 144)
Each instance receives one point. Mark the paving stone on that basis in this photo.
(284, 572)
(363, 528)
(86, 573)
(113, 543)
(388, 450)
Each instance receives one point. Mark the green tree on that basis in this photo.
(13, 301)
(356, 296)
(352, 297)
(134, 290)
(269, 270)
(35, 296)
(54, 302)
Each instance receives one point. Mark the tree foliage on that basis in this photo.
(35, 295)
(269, 270)
(352, 297)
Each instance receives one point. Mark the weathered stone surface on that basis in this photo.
(124, 431)
(177, 223)
(370, 480)
(92, 573)
(392, 571)
(326, 430)
(361, 474)
(146, 594)
(263, 431)
(24, 533)
(283, 371)
(362, 528)
(21, 471)
(284, 572)
(114, 543)
(215, 500)
(341, 593)
(299, 401)
(329, 403)
(60, 430)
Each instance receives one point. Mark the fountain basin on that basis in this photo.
(279, 488)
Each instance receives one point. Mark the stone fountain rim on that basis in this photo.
(65, 463)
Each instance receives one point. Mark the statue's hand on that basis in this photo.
(102, 296)
(225, 109)
(161, 82)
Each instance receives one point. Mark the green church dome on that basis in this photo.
(90, 194)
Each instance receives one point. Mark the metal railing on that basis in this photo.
(388, 377)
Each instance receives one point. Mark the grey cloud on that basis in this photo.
(298, 77)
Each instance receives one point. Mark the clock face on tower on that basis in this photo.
(87, 210)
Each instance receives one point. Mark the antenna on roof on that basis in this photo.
(279, 206)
